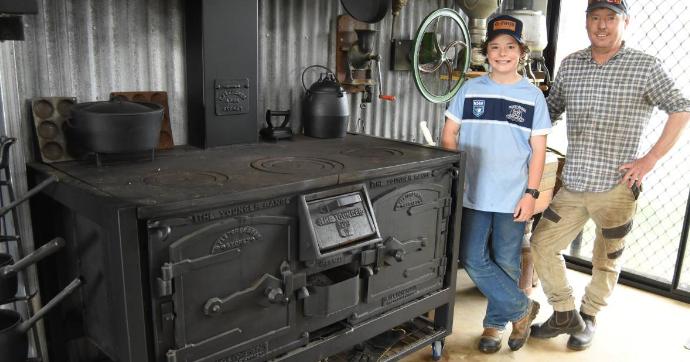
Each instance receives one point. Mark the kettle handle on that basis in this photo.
(312, 66)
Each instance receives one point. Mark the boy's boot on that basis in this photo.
(490, 342)
(583, 340)
(569, 322)
(521, 328)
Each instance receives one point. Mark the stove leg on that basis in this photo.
(98, 159)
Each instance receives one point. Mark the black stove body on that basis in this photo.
(289, 251)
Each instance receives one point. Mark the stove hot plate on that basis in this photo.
(297, 165)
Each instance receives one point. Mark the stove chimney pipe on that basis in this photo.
(222, 59)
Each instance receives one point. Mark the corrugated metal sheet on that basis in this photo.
(297, 33)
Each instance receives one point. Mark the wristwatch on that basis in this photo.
(533, 192)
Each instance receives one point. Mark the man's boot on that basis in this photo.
(583, 340)
(569, 322)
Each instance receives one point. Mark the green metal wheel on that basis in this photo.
(428, 56)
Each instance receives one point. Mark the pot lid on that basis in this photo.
(116, 106)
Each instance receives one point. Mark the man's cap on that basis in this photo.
(619, 6)
(504, 24)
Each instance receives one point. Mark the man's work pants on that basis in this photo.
(612, 212)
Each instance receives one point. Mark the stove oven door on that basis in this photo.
(411, 260)
(227, 287)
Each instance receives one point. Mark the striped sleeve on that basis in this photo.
(542, 122)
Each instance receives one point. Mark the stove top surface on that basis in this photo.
(187, 173)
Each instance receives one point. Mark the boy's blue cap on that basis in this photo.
(504, 24)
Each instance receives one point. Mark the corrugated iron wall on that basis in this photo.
(297, 33)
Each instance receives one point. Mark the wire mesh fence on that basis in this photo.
(657, 27)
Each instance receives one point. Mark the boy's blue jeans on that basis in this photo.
(494, 269)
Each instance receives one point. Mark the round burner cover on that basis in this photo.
(186, 179)
(293, 165)
(372, 152)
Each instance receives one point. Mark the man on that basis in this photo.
(609, 92)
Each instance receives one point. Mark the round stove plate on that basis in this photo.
(372, 152)
(295, 165)
(186, 179)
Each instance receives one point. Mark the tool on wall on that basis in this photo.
(355, 55)
(397, 7)
(429, 57)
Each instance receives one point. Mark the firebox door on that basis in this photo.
(229, 285)
(410, 261)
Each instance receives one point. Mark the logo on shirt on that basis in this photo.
(478, 108)
(516, 113)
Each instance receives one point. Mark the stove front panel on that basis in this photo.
(221, 284)
(412, 212)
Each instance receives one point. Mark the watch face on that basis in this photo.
(533, 192)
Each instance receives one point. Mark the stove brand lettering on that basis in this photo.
(406, 201)
(235, 238)
(399, 179)
(233, 100)
(330, 262)
(247, 355)
(253, 207)
(399, 295)
(236, 210)
(322, 221)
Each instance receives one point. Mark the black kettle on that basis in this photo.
(325, 109)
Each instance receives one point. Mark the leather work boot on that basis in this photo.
(568, 322)
(583, 340)
(491, 340)
(521, 328)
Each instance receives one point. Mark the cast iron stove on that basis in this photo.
(288, 251)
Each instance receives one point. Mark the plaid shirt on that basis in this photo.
(608, 108)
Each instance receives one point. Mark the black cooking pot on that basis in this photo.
(325, 109)
(9, 269)
(14, 343)
(116, 126)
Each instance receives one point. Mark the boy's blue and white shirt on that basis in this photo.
(497, 121)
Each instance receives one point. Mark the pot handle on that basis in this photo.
(314, 66)
(39, 254)
(69, 121)
(74, 285)
(47, 182)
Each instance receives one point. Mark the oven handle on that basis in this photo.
(266, 291)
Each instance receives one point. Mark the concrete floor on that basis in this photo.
(636, 326)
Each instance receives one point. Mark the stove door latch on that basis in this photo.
(266, 291)
(397, 250)
(170, 271)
